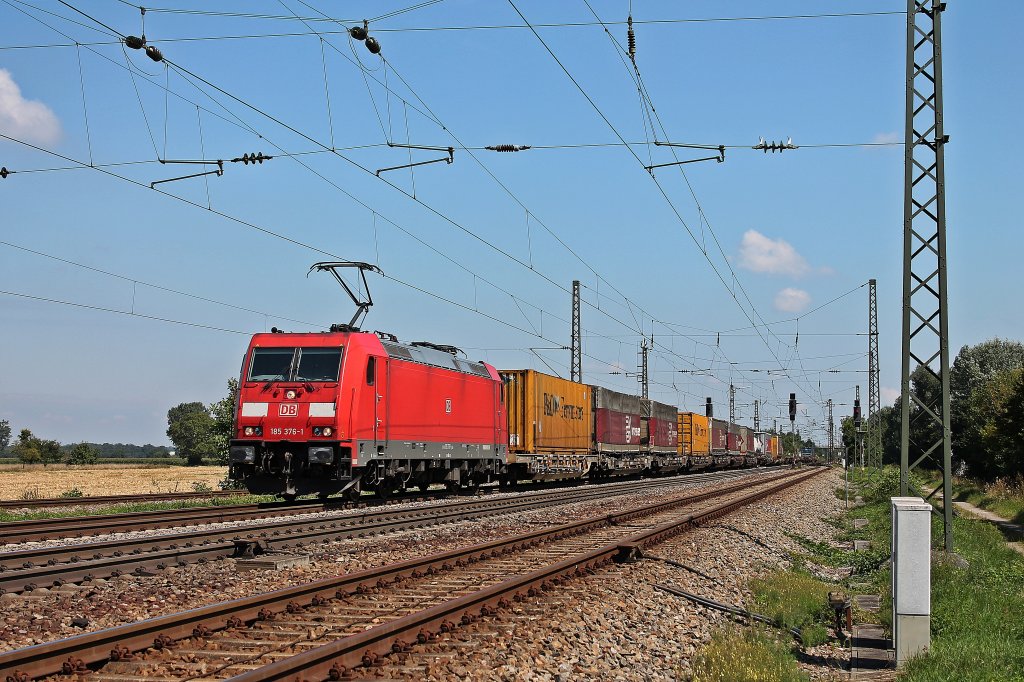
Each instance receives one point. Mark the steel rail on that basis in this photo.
(34, 530)
(80, 653)
(25, 570)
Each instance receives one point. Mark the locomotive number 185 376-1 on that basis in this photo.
(287, 432)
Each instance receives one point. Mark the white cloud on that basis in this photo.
(889, 396)
(791, 300)
(759, 253)
(886, 138)
(22, 118)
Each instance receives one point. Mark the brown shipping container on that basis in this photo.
(546, 414)
(719, 435)
(776, 453)
(664, 428)
(694, 435)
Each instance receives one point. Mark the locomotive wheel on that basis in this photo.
(352, 495)
(288, 497)
(423, 487)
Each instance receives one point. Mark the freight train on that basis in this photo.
(346, 411)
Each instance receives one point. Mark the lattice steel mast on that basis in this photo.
(644, 388)
(576, 348)
(925, 321)
(874, 439)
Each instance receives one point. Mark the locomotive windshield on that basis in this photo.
(295, 364)
(318, 364)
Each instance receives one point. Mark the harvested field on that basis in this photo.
(35, 481)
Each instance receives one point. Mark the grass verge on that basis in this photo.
(746, 654)
(128, 508)
(976, 629)
(797, 600)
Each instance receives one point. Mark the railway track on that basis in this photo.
(15, 532)
(27, 569)
(325, 629)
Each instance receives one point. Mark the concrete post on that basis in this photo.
(911, 577)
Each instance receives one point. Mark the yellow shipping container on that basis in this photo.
(776, 445)
(546, 414)
(694, 434)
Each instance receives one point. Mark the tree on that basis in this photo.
(973, 367)
(49, 451)
(192, 430)
(5, 434)
(1009, 421)
(223, 412)
(998, 426)
(82, 453)
(26, 449)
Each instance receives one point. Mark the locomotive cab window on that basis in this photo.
(318, 364)
(271, 364)
(371, 370)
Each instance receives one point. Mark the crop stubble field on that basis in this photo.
(34, 481)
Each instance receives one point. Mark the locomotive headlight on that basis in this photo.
(258, 430)
(328, 430)
(248, 430)
(290, 394)
(316, 430)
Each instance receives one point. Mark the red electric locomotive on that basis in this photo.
(346, 410)
(323, 412)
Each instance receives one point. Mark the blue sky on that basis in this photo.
(486, 236)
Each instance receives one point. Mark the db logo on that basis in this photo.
(289, 410)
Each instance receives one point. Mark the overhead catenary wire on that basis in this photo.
(627, 302)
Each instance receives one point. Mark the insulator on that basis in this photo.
(372, 45)
(155, 54)
(507, 148)
(4, 172)
(631, 37)
(358, 32)
(135, 42)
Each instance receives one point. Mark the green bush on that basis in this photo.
(74, 492)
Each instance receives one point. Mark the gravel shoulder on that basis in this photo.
(615, 625)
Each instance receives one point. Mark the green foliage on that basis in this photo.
(49, 452)
(74, 492)
(27, 448)
(972, 372)
(31, 450)
(223, 412)
(146, 461)
(200, 487)
(127, 450)
(5, 434)
(750, 654)
(794, 599)
(192, 430)
(82, 453)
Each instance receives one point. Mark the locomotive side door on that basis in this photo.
(381, 404)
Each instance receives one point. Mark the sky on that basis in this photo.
(119, 300)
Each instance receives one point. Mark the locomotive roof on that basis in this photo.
(414, 352)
